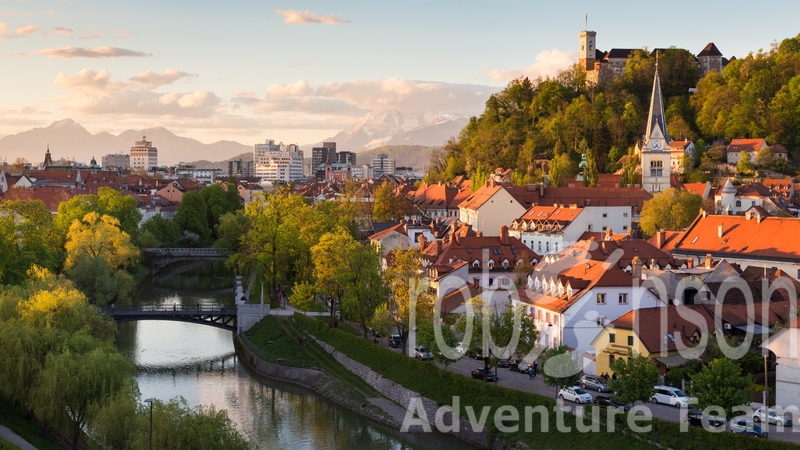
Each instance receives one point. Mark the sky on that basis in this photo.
(300, 71)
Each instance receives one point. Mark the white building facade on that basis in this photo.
(278, 162)
(144, 155)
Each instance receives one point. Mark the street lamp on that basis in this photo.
(151, 401)
(766, 409)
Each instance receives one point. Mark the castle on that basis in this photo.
(604, 66)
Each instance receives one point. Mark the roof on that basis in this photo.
(399, 228)
(654, 328)
(701, 189)
(469, 248)
(550, 218)
(679, 145)
(772, 238)
(746, 145)
(630, 249)
(619, 53)
(709, 50)
(670, 239)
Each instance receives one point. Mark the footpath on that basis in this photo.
(15, 439)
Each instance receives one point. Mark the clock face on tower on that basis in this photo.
(656, 145)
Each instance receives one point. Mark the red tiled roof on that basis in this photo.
(710, 50)
(648, 324)
(747, 145)
(697, 188)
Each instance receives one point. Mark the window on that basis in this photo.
(624, 214)
(601, 321)
(548, 247)
(540, 248)
(605, 214)
(624, 227)
(610, 360)
(491, 281)
(555, 246)
(504, 281)
(738, 203)
(630, 341)
(612, 338)
(605, 228)
(601, 299)
(623, 298)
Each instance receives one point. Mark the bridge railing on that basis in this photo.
(231, 309)
(188, 252)
(305, 363)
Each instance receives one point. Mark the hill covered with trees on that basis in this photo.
(754, 97)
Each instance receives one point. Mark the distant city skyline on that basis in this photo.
(300, 72)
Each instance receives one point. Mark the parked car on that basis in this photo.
(604, 401)
(574, 394)
(396, 341)
(422, 353)
(748, 427)
(773, 417)
(695, 418)
(502, 363)
(490, 375)
(592, 382)
(476, 353)
(669, 395)
(460, 349)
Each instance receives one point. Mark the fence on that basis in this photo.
(304, 363)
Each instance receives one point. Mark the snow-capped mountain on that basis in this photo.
(68, 139)
(390, 127)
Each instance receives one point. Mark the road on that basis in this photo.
(522, 382)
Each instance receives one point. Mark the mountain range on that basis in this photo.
(381, 128)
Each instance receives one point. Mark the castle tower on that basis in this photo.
(588, 49)
(655, 147)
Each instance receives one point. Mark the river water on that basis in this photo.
(198, 362)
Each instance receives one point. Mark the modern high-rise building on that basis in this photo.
(144, 155)
(240, 168)
(116, 161)
(278, 162)
(382, 164)
(346, 157)
(323, 155)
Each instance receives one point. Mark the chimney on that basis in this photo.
(603, 245)
(438, 247)
(476, 283)
(708, 260)
(541, 190)
(636, 273)
(503, 235)
(720, 230)
(690, 262)
(758, 219)
(479, 234)
(661, 236)
(703, 213)
(608, 233)
(422, 242)
(748, 215)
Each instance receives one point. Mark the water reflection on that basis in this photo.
(198, 363)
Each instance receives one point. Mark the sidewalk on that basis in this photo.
(13, 438)
(290, 310)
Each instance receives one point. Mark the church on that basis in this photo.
(655, 147)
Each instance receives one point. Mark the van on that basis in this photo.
(669, 395)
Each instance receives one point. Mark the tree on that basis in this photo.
(73, 384)
(744, 165)
(382, 321)
(100, 236)
(630, 177)
(720, 383)
(19, 165)
(218, 203)
(636, 378)
(164, 230)
(389, 205)
(107, 201)
(192, 215)
(560, 368)
(231, 230)
(303, 296)
(591, 168)
(409, 300)
(614, 155)
(26, 238)
(426, 336)
(764, 158)
(670, 209)
(561, 167)
(101, 283)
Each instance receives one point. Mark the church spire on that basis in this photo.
(656, 122)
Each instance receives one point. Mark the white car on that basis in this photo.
(575, 394)
(773, 418)
(669, 395)
(460, 349)
(422, 353)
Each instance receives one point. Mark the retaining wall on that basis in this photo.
(295, 375)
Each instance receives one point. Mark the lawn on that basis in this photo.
(14, 419)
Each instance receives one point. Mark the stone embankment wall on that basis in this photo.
(295, 375)
(403, 396)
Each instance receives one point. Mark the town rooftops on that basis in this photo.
(661, 328)
(772, 238)
(746, 145)
(547, 217)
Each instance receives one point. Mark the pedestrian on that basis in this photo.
(614, 376)
(198, 306)
(530, 371)
(535, 369)
(174, 306)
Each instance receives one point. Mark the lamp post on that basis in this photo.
(151, 401)
(766, 408)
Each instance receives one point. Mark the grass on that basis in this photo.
(5, 445)
(344, 326)
(441, 386)
(14, 419)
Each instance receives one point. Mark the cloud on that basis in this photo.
(3, 27)
(63, 31)
(548, 63)
(300, 88)
(305, 17)
(152, 80)
(26, 30)
(90, 92)
(100, 34)
(92, 53)
(300, 63)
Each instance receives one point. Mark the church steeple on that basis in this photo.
(656, 121)
(48, 161)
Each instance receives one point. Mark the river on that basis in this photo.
(198, 363)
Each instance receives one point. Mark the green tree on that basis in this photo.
(720, 383)
(614, 155)
(670, 209)
(764, 158)
(303, 296)
(192, 215)
(101, 283)
(164, 230)
(218, 203)
(26, 238)
(107, 201)
(636, 378)
(410, 301)
(561, 368)
(745, 165)
(231, 230)
(591, 169)
(426, 336)
(629, 175)
(100, 236)
(389, 205)
(561, 167)
(479, 177)
(382, 321)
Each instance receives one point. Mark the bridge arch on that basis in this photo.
(219, 317)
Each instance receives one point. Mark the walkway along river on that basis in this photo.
(198, 363)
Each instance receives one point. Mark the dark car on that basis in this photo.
(502, 363)
(476, 353)
(605, 401)
(514, 367)
(478, 375)
(396, 341)
(696, 418)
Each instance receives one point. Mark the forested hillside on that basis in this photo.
(754, 97)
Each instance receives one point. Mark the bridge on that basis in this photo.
(217, 316)
(157, 258)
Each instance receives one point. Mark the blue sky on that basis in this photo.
(301, 71)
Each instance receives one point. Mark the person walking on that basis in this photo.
(535, 368)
